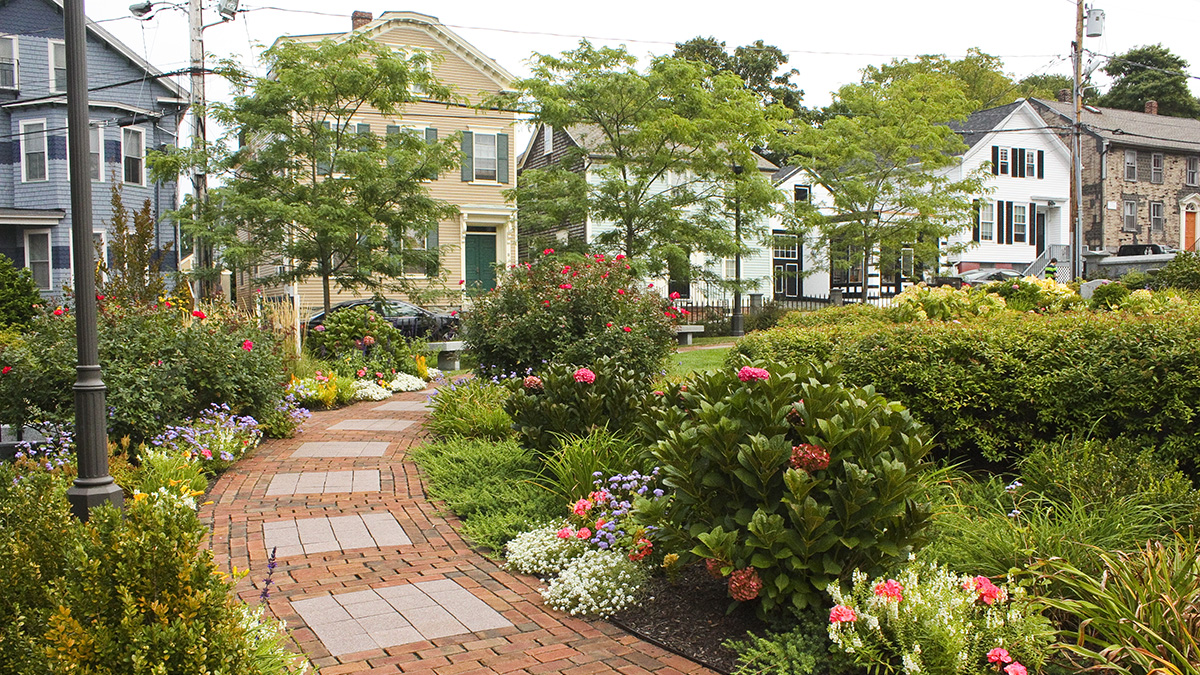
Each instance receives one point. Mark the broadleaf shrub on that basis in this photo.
(991, 387)
(568, 308)
(1183, 273)
(357, 338)
(19, 298)
(787, 479)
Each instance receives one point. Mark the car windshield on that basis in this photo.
(399, 309)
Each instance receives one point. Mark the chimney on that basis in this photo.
(1151, 107)
(360, 19)
(1064, 95)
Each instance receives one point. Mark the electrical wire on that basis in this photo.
(136, 80)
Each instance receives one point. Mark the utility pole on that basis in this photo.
(201, 246)
(93, 486)
(1077, 147)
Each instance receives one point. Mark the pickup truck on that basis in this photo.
(1143, 249)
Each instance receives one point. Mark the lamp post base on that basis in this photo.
(737, 325)
(90, 492)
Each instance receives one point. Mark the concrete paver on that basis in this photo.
(342, 449)
(372, 425)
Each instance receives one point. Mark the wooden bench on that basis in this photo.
(684, 333)
(448, 354)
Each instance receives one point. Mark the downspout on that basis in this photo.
(1102, 202)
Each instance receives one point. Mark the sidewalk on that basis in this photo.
(370, 576)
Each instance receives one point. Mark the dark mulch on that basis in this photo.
(687, 615)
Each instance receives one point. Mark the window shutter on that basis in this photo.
(995, 160)
(1020, 172)
(1041, 163)
(501, 158)
(468, 156)
(1008, 231)
(975, 215)
(1031, 221)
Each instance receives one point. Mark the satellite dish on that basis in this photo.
(227, 8)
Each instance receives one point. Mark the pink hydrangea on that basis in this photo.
(585, 376)
(809, 458)
(999, 655)
(842, 614)
(744, 584)
(747, 373)
(891, 589)
(533, 383)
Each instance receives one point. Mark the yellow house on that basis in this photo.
(485, 231)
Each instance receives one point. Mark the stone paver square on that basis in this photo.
(342, 449)
(323, 482)
(402, 406)
(372, 425)
(433, 622)
(339, 533)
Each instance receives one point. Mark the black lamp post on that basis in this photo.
(93, 486)
(736, 324)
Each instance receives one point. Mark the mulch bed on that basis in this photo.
(687, 615)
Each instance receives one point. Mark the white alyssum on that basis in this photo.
(406, 382)
(542, 552)
(596, 584)
(367, 390)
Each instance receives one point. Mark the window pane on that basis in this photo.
(37, 259)
(34, 140)
(133, 156)
(60, 66)
(485, 157)
(8, 64)
(94, 168)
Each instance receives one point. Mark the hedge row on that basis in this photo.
(990, 387)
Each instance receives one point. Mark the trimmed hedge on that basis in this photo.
(990, 387)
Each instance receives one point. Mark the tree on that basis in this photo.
(658, 145)
(758, 65)
(883, 159)
(314, 191)
(1150, 73)
(133, 276)
(19, 297)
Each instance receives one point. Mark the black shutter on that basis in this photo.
(468, 156)
(431, 138)
(1041, 163)
(1008, 206)
(975, 217)
(1020, 167)
(1031, 222)
(501, 158)
(995, 160)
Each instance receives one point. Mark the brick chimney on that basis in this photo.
(1064, 95)
(360, 19)
(1151, 107)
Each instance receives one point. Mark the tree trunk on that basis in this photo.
(325, 291)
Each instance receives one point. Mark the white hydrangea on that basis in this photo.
(367, 390)
(597, 583)
(542, 552)
(406, 382)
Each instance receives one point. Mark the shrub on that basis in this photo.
(845, 314)
(565, 401)
(1097, 471)
(357, 338)
(285, 419)
(766, 317)
(803, 650)
(568, 308)
(942, 303)
(596, 584)
(791, 473)
(1109, 296)
(1033, 294)
(992, 387)
(929, 619)
(488, 485)
(1136, 280)
(1183, 273)
(473, 408)
(19, 298)
(168, 469)
(573, 466)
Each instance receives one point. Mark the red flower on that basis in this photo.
(546, 303)
(99, 297)
(675, 295)
(620, 256)
(533, 383)
(583, 533)
(809, 458)
(891, 589)
(565, 287)
(748, 373)
(620, 291)
(999, 655)
(988, 592)
(5, 370)
(566, 268)
(841, 613)
(585, 376)
(454, 312)
(247, 345)
(58, 311)
(714, 567)
(608, 325)
(547, 251)
(198, 314)
(627, 329)
(744, 584)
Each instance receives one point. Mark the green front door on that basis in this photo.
(481, 256)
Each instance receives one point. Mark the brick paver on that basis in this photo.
(372, 576)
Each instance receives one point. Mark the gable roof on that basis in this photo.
(980, 123)
(1127, 127)
(128, 53)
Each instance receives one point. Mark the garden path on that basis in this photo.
(371, 577)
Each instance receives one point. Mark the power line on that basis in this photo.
(136, 80)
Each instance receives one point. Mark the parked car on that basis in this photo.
(1143, 249)
(413, 321)
(981, 276)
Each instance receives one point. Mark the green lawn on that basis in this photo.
(682, 364)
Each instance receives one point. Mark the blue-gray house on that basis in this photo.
(142, 114)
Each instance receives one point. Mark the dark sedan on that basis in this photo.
(413, 321)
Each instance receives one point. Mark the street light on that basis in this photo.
(735, 322)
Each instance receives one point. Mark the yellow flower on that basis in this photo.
(138, 496)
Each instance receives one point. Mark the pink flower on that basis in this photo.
(319, 329)
(99, 297)
(454, 312)
(58, 311)
(547, 251)
(650, 285)
(198, 314)
(585, 376)
(565, 287)
(581, 507)
(461, 282)
(368, 340)
(999, 655)
(583, 533)
(988, 592)
(744, 584)
(362, 372)
(533, 383)
(841, 614)
(809, 458)
(891, 589)
(620, 256)
(608, 325)
(565, 533)
(247, 345)
(675, 295)
(747, 373)
(206, 453)
(1015, 669)
(620, 291)
(657, 393)
(627, 329)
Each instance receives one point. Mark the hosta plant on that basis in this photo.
(789, 472)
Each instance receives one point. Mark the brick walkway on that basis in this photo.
(371, 577)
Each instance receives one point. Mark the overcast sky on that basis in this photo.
(828, 42)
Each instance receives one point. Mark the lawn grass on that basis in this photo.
(683, 364)
(714, 340)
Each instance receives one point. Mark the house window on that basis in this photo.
(58, 66)
(987, 221)
(1156, 167)
(33, 151)
(485, 157)
(547, 139)
(37, 257)
(1130, 223)
(8, 63)
(1004, 161)
(1193, 171)
(1019, 222)
(96, 153)
(1131, 165)
(787, 246)
(803, 193)
(133, 151)
(1031, 163)
(1156, 216)
(730, 268)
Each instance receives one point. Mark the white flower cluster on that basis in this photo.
(597, 583)
(366, 390)
(433, 373)
(542, 552)
(406, 382)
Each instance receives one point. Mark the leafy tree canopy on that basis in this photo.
(980, 75)
(1150, 73)
(758, 65)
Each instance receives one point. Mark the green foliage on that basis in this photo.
(1136, 280)
(1097, 471)
(828, 316)
(757, 64)
(980, 75)
(990, 387)
(571, 468)
(803, 650)
(942, 303)
(133, 278)
(1150, 73)
(563, 402)
(1138, 616)
(725, 447)
(357, 338)
(1183, 273)
(19, 297)
(487, 484)
(572, 310)
(168, 469)
(472, 408)
(1109, 296)
(1031, 294)
(37, 532)
(766, 317)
